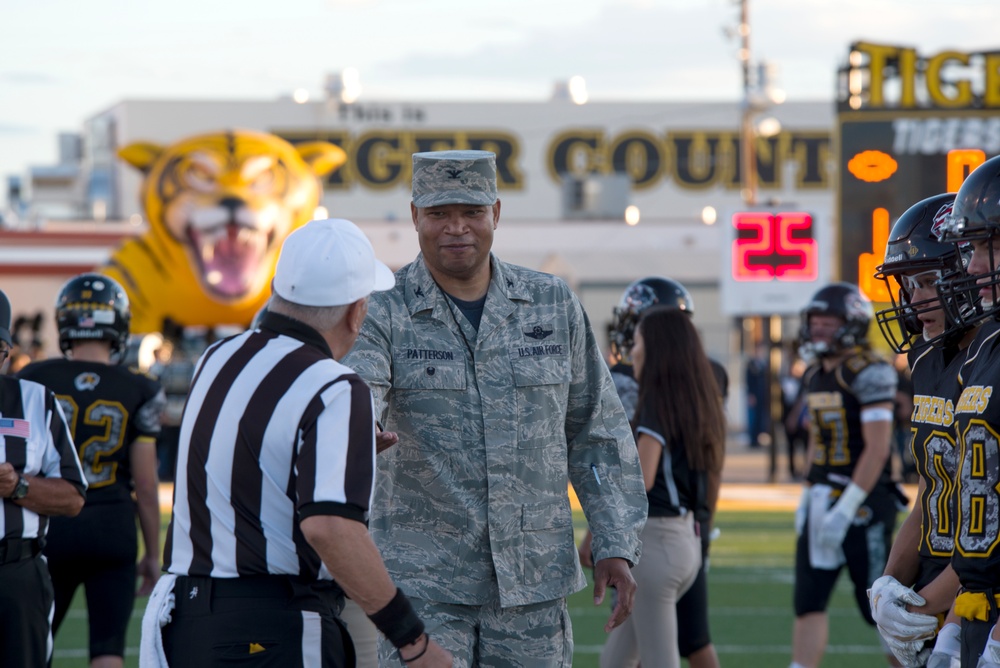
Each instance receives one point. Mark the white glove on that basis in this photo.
(833, 529)
(802, 511)
(838, 519)
(947, 651)
(909, 653)
(888, 598)
(944, 660)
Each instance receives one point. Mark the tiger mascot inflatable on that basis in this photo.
(219, 206)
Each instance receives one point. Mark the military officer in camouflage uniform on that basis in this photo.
(491, 378)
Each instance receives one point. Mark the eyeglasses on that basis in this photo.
(925, 280)
(3, 354)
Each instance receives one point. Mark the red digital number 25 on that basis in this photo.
(770, 251)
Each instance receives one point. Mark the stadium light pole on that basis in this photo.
(765, 327)
(748, 168)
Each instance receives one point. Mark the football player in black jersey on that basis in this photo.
(976, 558)
(114, 416)
(918, 573)
(848, 511)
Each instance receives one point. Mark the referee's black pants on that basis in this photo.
(269, 620)
(25, 606)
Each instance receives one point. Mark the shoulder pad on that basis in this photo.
(863, 359)
(876, 382)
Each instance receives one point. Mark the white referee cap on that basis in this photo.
(329, 263)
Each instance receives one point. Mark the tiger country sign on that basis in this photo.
(678, 156)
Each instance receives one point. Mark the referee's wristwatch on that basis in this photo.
(20, 489)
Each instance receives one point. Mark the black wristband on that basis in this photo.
(407, 659)
(398, 622)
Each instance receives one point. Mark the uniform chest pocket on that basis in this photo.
(541, 370)
(541, 387)
(428, 375)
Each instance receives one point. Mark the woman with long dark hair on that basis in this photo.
(680, 432)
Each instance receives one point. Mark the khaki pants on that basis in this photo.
(671, 558)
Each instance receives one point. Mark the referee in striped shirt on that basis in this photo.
(40, 476)
(274, 478)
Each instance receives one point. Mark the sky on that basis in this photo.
(62, 61)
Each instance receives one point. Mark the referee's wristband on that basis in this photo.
(398, 622)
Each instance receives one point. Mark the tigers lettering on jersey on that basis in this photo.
(974, 399)
(933, 410)
(818, 400)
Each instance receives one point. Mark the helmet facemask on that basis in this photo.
(961, 292)
(844, 301)
(916, 259)
(975, 220)
(901, 324)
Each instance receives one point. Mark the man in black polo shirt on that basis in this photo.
(40, 476)
(274, 479)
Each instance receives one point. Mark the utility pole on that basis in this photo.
(748, 154)
(766, 328)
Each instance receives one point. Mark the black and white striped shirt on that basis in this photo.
(274, 430)
(34, 438)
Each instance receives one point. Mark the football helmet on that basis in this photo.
(976, 217)
(93, 307)
(915, 247)
(847, 302)
(639, 296)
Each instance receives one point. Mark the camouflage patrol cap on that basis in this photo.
(454, 177)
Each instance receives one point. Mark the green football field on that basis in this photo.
(750, 606)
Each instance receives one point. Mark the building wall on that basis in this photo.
(679, 156)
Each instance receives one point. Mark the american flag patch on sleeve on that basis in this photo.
(15, 427)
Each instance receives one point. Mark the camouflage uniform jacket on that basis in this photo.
(491, 426)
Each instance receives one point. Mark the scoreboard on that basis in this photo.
(881, 176)
(909, 127)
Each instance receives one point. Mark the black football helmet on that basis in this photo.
(93, 307)
(976, 217)
(847, 302)
(915, 246)
(639, 296)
